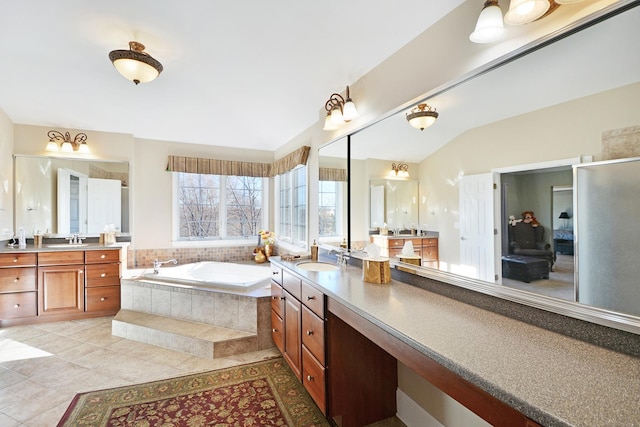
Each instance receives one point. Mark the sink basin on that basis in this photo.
(317, 266)
(67, 245)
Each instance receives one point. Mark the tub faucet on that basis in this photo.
(157, 264)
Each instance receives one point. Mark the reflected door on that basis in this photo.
(72, 202)
(476, 227)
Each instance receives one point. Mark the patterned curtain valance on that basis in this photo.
(236, 168)
(290, 161)
(333, 174)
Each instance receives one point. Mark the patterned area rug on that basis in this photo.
(259, 394)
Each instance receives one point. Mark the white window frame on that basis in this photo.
(340, 211)
(216, 241)
(287, 244)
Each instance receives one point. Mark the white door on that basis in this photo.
(477, 235)
(72, 202)
(104, 200)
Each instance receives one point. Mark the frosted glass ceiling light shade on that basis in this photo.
(567, 1)
(339, 111)
(525, 11)
(490, 26)
(422, 116)
(135, 64)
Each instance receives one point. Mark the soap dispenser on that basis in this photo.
(22, 238)
(314, 251)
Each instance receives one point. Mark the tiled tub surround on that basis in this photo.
(204, 323)
(143, 258)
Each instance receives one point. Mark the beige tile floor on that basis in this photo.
(43, 366)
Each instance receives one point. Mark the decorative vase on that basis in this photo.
(260, 258)
(268, 251)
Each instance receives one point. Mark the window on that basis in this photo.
(215, 207)
(330, 208)
(293, 206)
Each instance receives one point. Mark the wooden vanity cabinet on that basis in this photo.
(18, 285)
(60, 283)
(102, 281)
(298, 330)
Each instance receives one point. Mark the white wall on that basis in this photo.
(6, 176)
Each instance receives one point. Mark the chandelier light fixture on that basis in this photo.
(63, 142)
(339, 111)
(490, 26)
(422, 116)
(400, 169)
(135, 64)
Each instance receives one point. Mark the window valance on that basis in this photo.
(237, 168)
(333, 174)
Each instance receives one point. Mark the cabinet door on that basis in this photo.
(292, 342)
(60, 290)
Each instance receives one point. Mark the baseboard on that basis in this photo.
(412, 414)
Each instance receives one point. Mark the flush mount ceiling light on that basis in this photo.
(525, 11)
(64, 143)
(400, 169)
(422, 116)
(135, 64)
(490, 26)
(339, 111)
(567, 1)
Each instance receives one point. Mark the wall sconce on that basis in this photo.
(64, 143)
(490, 26)
(339, 111)
(135, 64)
(422, 116)
(400, 169)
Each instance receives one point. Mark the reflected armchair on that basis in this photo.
(527, 240)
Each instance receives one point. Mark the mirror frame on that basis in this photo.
(596, 315)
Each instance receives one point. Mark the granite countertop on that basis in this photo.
(551, 378)
(55, 247)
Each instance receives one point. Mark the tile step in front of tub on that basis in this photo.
(198, 339)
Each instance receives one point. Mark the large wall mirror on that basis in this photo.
(62, 196)
(526, 127)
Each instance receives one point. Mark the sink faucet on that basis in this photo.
(157, 264)
(342, 256)
(75, 239)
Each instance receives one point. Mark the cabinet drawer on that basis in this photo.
(18, 260)
(61, 258)
(313, 298)
(102, 275)
(432, 241)
(98, 256)
(276, 274)
(18, 279)
(430, 253)
(313, 378)
(106, 298)
(277, 330)
(396, 243)
(313, 334)
(20, 304)
(277, 299)
(292, 284)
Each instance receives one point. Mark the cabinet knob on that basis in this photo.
(274, 330)
(310, 297)
(309, 378)
(103, 275)
(309, 333)
(103, 299)
(103, 256)
(16, 306)
(15, 260)
(16, 279)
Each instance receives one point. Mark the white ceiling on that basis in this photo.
(248, 74)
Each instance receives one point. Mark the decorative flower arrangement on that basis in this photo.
(267, 237)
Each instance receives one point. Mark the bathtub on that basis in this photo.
(212, 275)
